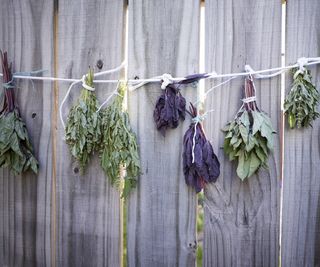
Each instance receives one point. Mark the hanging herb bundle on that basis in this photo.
(171, 105)
(119, 147)
(249, 137)
(16, 151)
(200, 164)
(170, 108)
(83, 128)
(301, 103)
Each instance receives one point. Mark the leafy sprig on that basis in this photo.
(119, 147)
(83, 128)
(16, 151)
(249, 137)
(301, 103)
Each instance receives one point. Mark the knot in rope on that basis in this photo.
(85, 85)
(249, 99)
(248, 68)
(302, 61)
(9, 85)
(199, 118)
(166, 80)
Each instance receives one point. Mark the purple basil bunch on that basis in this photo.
(171, 105)
(200, 164)
(170, 108)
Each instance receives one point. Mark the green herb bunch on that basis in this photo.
(119, 148)
(249, 137)
(83, 128)
(16, 151)
(301, 103)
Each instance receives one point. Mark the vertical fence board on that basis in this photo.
(301, 185)
(242, 218)
(88, 207)
(163, 38)
(26, 33)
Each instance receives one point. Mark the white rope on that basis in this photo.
(141, 82)
(213, 75)
(85, 85)
(218, 85)
(301, 62)
(261, 76)
(123, 64)
(115, 92)
(167, 79)
(194, 140)
(249, 99)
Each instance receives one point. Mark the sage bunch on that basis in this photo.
(301, 104)
(119, 148)
(16, 151)
(249, 137)
(83, 127)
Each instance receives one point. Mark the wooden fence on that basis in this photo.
(61, 218)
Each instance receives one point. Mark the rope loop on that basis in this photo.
(166, 80)
(85, 85)
(302, 61)
(249, 99)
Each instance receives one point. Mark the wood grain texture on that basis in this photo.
(88, 207)
(25, 213)
(163, 38)
(242, 218)
(301, 185)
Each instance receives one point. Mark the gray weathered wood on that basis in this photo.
(242, 218)
(163, 38)
(88, 208)
(26, 33)
(301, 185)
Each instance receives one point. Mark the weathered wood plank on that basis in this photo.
(242, 218)
(25, 201)
(301, 185)
(163, 38)
(88, 208)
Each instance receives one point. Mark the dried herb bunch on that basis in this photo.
(170, 108)
(301, 103)
(171, 105)
(200, 164)
(249, 137)
(16, 151)
(83, 127)
(119, 148)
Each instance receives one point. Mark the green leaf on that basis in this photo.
(15, 149)
(244, 133)
(243, 167)
(258, 120)
(254, 164)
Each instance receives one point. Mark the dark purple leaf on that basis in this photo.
(194, 78)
